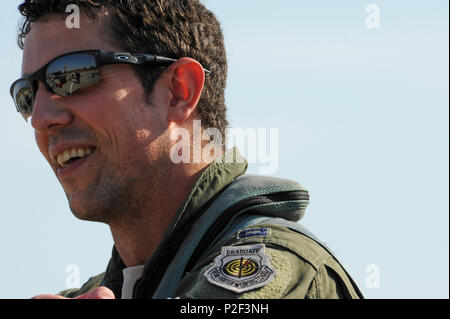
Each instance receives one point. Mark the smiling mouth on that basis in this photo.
(72, 155)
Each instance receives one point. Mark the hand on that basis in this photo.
(97, 293)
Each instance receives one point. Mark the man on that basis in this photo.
(146, 71)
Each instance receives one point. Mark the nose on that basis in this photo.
(49, 112)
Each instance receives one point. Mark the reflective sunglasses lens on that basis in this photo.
(24, 98)
(68, 74)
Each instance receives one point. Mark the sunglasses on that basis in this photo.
(70, 72)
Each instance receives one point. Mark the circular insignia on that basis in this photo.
(241, 267)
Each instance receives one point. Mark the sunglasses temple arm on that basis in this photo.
(160, 60)
(167, 61)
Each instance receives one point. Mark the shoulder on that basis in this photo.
(266, 261)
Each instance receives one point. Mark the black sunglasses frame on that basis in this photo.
(101, 58)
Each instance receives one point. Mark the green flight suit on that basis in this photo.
(289, 264)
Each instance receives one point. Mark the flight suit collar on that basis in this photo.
(215, 178)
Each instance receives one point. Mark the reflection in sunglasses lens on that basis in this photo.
(24, 97)
(70, 73)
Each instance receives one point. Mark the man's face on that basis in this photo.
(111, 120)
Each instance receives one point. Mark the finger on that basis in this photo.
(98, 293)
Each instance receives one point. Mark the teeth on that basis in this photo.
(66, 156)
(72, 153)
(80, 152)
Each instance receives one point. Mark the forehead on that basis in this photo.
(50, 37)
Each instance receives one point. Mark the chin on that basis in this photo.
(86, 212)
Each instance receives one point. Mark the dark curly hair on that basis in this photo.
(172, 28)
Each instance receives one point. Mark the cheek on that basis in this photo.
(42, 143)
(143, 135)
(98, 112)
(121, 95)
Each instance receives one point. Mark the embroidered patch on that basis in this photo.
(241, 268)
(253, 232)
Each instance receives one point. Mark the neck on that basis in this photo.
(137, 238)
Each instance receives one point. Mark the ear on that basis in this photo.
(187, 78)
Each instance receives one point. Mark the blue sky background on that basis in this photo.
(363, 124)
